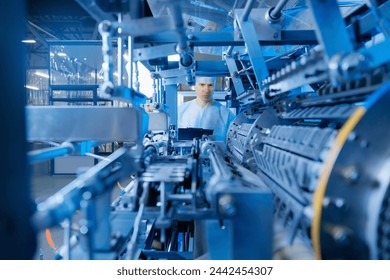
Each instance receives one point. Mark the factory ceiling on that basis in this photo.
(48, 20)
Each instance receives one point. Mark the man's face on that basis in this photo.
(204, 90)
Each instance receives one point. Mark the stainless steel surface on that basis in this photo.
(158, 121)
(74, 123)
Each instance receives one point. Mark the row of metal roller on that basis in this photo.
(326, 166)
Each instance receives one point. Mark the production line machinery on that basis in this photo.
(168, 209)
(304, 170)
(326, 167)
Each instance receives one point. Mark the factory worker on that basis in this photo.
(204, 112)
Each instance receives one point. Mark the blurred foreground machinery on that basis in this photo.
(304, 170)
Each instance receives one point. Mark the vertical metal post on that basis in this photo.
(130, 44)
(171, 103)
(155, 86)
(159, 88)
(120, 55)
(233, 70)
(105, 29)
(163, 203)
(67, 236)
(137, 84)
(101, 221)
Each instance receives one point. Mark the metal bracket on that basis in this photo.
(237, 83)
(256, 57)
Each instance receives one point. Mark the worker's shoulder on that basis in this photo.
(224, 109)
(183, 107)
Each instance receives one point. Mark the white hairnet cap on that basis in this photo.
(203, 79)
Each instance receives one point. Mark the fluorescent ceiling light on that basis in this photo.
(61, 54)
(29, 41)
(32, 87)
(41, 74)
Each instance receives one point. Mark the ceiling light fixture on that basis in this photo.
(32, 87)
(29, 41)
(41, 74)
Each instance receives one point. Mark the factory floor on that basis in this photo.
(44, 185)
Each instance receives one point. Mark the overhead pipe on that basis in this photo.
(182, 48)
(91, 7)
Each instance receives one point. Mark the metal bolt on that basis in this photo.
(352, 136)
(83, 229)
(293, 65)
(339, 203)
(83, 223)
(340, 235)
(303, 60)
(87, 195)
(364, 143)
(351, 174)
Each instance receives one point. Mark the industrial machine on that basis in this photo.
(303, 173)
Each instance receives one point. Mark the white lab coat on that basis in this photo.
(214, 116)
